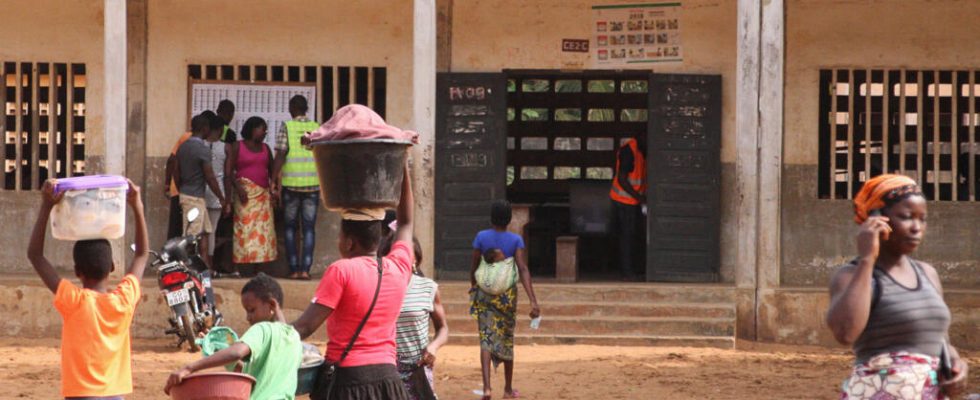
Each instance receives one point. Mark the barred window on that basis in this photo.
(919, 123)
(43, 122)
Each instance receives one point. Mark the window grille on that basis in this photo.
(43, 122)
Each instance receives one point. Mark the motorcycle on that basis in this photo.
(185, 283)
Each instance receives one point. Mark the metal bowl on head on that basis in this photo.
(361, 173)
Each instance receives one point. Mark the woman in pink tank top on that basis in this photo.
(247, 172)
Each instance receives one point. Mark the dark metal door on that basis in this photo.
(684, 176)
(471, 137)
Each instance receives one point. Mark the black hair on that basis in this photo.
(366, 234)
(389, 240)
(93, 258)
(264, 287)
(225, 105)
(489, 254)
(250, 125)
(390, 216)
(500, 213)
(299, 103)
(214, 121)
(200, 123)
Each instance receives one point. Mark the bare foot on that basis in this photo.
(512, 394)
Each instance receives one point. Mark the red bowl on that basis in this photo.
(214, 386)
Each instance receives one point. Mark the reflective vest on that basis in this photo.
(637, 178)
(224, 133)
(300, 168)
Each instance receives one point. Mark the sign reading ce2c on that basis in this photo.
(575, 45)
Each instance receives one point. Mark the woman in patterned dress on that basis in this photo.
(888, 306)
(247, 176)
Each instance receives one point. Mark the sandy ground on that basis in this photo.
(29, 369)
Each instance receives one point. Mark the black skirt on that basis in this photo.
(369, 382)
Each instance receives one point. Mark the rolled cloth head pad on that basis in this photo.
(363, 214)
(877, 190)
(356, 121)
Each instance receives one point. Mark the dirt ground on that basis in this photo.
(29, 368)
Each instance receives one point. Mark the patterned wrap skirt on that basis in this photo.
(496, 318)
(255, 231)
(894, 376)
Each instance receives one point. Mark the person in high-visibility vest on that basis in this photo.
(628, 196)
(226, 110)
(295, 172)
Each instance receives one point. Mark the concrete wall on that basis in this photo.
(528, 34)
(817, 235)
(51, 31)
(254, 32)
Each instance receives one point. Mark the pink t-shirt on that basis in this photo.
(347, 287)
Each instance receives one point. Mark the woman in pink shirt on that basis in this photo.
(247, 171)
(344, 297)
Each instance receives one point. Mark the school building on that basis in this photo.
(761, 117)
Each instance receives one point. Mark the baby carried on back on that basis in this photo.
(496, 272)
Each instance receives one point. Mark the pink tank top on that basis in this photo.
(254, 166)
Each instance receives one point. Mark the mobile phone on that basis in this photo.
(875, 213)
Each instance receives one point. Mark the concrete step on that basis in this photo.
(615, 309)
(626, 326)
(522, 339)
(610, 292)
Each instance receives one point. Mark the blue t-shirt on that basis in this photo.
(507, 242)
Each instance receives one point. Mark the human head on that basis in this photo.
(199, 125)
(254, 128)
(899, 199)
(493, 255)
(93, 259)
(226, 110)
(298, 106)
(261, 298)
(358, 237)
(500, 214)
(215, 125)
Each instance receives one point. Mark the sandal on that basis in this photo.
(304, 276)
(513, 394)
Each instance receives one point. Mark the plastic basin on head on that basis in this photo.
(360, 173)
(305, 377)
(214, 386)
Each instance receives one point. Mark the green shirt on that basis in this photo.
(277, 353)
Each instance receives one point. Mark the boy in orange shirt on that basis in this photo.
(95, 346)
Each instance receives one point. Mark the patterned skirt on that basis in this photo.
(894, 376)
(255, 231)
(411, 373)
(496, 318)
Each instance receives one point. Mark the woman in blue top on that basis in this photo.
(497, 314)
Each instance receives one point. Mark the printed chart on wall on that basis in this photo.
(631, 34)
(270, 102)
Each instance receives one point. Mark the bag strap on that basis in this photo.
(364, 321)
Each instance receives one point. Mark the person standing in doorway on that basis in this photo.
(295, 174)
(628, 196)
(247, 181)
(226, 110)
(194, 173)
(496, 315)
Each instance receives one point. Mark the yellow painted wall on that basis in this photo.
(517, 34)
(60, 31)
(299, 32)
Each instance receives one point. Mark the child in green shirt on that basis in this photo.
(271, 349)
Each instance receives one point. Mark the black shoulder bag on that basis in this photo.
(328, 372)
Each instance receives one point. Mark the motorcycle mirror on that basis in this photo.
(193, 214)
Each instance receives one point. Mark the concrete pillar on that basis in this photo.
(136, 27)
(424, 122)
(770, 142)
(566, 259)
(114, 97)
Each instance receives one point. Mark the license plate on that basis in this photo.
(178, 297)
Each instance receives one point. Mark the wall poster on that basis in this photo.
(269, 101)
(631, 34)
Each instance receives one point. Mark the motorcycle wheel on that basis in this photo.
(188, 331)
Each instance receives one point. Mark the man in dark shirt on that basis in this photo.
(628, 194)
(194, 171)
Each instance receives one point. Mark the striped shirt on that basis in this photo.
(412, 328)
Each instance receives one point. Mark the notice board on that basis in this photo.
(636, 34)
(270, 101)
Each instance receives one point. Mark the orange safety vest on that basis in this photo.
(637, 178)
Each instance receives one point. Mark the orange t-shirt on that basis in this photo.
(95, 354)
(183, 138)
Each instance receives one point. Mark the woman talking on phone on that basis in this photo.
(889, 307)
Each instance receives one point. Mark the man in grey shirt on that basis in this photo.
(194, 172)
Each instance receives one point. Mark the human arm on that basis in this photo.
(35, 250)
(851, 287)
(312, 318)
(960, 369)
(170, 173)
(142, 243)
(474, 265)
(233, 353)
(626, 162)
(441, 326)
(277, 164)
(212, 181)
(521, 258)
(231, 182)
(406, 210)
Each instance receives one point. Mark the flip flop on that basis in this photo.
(514, 394)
